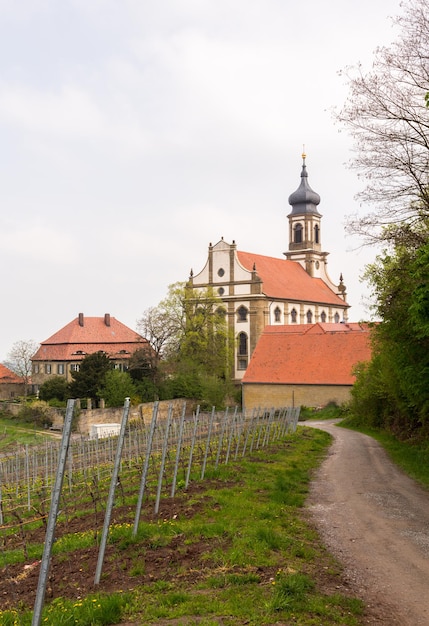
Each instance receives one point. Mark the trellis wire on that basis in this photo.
(230, 436)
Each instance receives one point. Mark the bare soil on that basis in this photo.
(375, 520)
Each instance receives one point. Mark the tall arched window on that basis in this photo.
(316, 233)
(323, 317)
(242, 314)
(309, 317)
(242, 344)
(336, 318)
(297, 234)
(277, 314)
(242, 351)
(293, 316)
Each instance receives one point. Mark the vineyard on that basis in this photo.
(155, 464)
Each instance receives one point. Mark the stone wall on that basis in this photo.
(269, 395)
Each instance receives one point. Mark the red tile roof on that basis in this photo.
(91, 336)
(288, 280)
(7, 376)
(317, 354)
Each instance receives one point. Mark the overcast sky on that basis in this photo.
(133, 133)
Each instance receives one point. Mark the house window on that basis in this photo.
(221, 312)
(323, 317)
(221, 291)
(48, 368)
(277, 314)
(242, 314)
(297, 234)
(336, 318)
(36, 368)
(74, 367)
(242, 364)
(293, 316)
(220, 272)
(309, 317)
(60, 368)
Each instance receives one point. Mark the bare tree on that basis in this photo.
(19, 359)
(387, 117)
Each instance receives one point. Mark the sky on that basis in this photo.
(134, 133)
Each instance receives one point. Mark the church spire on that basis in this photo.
(304, 200)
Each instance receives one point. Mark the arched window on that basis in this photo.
(297, 234)
(316, 234)
(293, 316)
(336, 318)
(323, 317)
(242, 344)
(242, 350)
(309, 317)
(277, 314)
(242, 314)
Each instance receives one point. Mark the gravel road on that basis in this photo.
(375, 520)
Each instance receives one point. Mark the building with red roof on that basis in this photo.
(258, 291)
(61, 354)
(308, 365)
(11, 385)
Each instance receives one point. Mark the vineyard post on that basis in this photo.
(221, 435)
(206, 451)
(53, 513)
(231, 433)
(145, 467)
(191, 451)
(111, 498)
(163, 455)
(178, 450)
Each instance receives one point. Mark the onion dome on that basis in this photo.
(304, 199)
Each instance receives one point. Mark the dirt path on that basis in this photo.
(375, 520)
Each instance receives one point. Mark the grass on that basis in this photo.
(13, 433)
(263, 563)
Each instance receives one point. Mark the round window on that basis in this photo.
(221, 291)
(221, 272)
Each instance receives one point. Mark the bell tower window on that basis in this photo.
(317, 234)
(297, 233)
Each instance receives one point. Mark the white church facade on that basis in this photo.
(259, 290)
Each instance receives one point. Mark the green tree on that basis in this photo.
(116, 387)
(198, 346)
(396, 379)
(89, 379)
(54, 388)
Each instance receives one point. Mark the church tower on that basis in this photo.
(305, 233)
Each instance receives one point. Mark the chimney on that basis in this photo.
(80, 319)
(107, 319)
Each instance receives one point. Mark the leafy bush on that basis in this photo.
(38, 413)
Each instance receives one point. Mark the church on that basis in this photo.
(259, 291)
